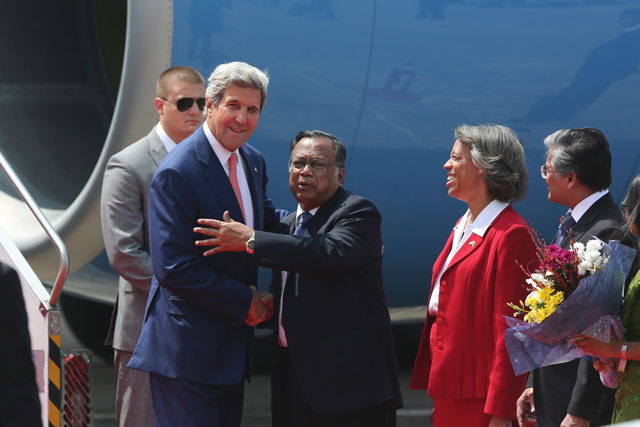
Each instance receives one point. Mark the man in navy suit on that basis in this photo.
(578, 174)
(197, 330)
(335, 359)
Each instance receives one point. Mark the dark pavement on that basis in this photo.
(256, 408)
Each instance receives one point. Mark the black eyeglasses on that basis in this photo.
(317, 165)
(184, 104)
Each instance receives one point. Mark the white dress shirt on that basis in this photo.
(169, 144)
(223, 155)
(582, 207)
(461, 235)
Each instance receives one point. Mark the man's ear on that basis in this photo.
(159, 104)
(208, 106)
(572, 180)
(341, 173)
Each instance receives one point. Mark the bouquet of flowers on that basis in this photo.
(558, 276)
(576, 291)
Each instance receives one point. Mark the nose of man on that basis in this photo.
(307, 169)
(241, 117)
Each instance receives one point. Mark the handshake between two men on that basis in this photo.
(232, 236)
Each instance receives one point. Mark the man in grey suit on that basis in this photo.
(578, 175)
(124, 210)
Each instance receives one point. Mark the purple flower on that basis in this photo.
(555, 258)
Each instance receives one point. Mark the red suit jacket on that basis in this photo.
(469, 358)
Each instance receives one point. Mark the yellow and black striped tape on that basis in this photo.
(54, 381)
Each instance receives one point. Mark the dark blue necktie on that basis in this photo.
(565, 226)
(299, 231)
(302, 223)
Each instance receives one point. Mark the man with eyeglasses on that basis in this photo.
(578, 175)
(335, 363)
(198, 329)
(179, 103)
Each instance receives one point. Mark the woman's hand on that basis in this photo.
(599, 348)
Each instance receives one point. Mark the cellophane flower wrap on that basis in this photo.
(591, 308)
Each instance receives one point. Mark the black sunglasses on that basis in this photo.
(184, 104)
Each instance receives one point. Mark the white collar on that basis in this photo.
(484, 219)
(582, 207)
(222, 153)
(299, 211)
(169, 144)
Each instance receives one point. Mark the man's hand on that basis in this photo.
(226, 236)
(525, 409)
(573, 421)
(259, 311)
(267, 300)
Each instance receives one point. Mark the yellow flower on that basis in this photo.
(541, 303)
(532, 299)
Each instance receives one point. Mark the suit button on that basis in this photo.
(439, 345)
(443, 284)
(441, 314)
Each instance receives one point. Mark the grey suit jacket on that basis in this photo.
(124, 213)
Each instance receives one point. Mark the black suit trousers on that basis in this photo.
(290, 409)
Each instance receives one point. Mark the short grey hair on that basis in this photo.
(498, 153)
(238, 73)
(584, 152)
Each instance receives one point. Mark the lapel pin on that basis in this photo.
(472, 243)
(255, 169)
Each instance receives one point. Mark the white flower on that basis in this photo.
(578, 248)
(594, 245)
(537, 280)
(582, 268)
(538, 277)
(590, 256)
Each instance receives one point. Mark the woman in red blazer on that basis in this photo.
(462, 360)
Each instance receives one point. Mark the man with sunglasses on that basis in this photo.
(180, 104)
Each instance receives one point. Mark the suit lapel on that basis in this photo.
(437, 266)
(215, 176)
(321, 217)
(592, 214)
(472, 244)
(290, 223)
(253, 173)
(474, 241)
(156, 150)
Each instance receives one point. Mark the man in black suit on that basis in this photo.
(335, 359)
(578, 174)
(19, 401)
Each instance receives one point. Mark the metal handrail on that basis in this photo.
(46, 225)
